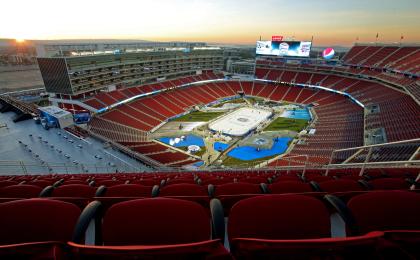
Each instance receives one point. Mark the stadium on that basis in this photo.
(154, 150)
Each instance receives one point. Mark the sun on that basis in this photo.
(20, 40)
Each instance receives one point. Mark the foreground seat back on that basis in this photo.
(40, 183)
(180, 181)
(291, 227)
(386, 210)
(289, 187)
(68, 182)
(397, 213)
(279, 217)
(74, 190)
(216, 181)
(183, 190)
(287, 178)
(37, 220)
(147, 182)
(237, 188)
(128, 190)
(20, 191)
(318, 178)
(108, 183)
(254, 180)
(156, 221)
(389, 184)
(6, 183)
(341, 185)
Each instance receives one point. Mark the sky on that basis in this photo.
(330, 22)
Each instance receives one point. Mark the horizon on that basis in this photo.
(329, 22)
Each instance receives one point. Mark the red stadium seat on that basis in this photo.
(270, 221)
(191, 192)
(291, 177)
(20, 191)
(41, 183)
(67, 182)
(108, 183)
(147, 182)
(7, 183)
(289, 187)
(216, 181)
(318, 178)
(386, 210)
(254, 180)
(180, 181)
(183, 190)
(128, 190)
(187, 223)
(237, 189)
(340, 186)
(389, 184)
(277, 227)
(144, 228)
(74, 190)
(79, 194)
(397, 213)
(231, 193)
(36, 228)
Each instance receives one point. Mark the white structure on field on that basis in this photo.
(240, 122)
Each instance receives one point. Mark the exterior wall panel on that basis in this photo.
(55, 75)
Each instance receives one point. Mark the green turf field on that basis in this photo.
(282, 123)
(199, 116)
(230, 161)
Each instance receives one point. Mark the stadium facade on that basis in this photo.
(76, 75)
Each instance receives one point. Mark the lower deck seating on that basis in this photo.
(147, 113)
(162, 153)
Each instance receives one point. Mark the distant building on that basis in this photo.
(241, 67)
(68, 48)
(80, 68)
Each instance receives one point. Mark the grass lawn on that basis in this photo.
(230, 161)
(282, 123)
(198, 116)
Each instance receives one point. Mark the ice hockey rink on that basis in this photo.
(240, 122)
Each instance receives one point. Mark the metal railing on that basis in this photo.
(24, 168)
(394, 154)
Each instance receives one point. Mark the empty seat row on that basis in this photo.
(254, 176)
(180, 187)
(287, 226)
(298, 227)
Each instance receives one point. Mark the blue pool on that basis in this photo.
(297, 114)
(220, 146)
(183, 142)
(248, 153)
(198, 164)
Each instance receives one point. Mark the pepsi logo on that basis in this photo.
(328, 53)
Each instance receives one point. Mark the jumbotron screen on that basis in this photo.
(284, 48)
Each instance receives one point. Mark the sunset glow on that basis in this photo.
(222, 21)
